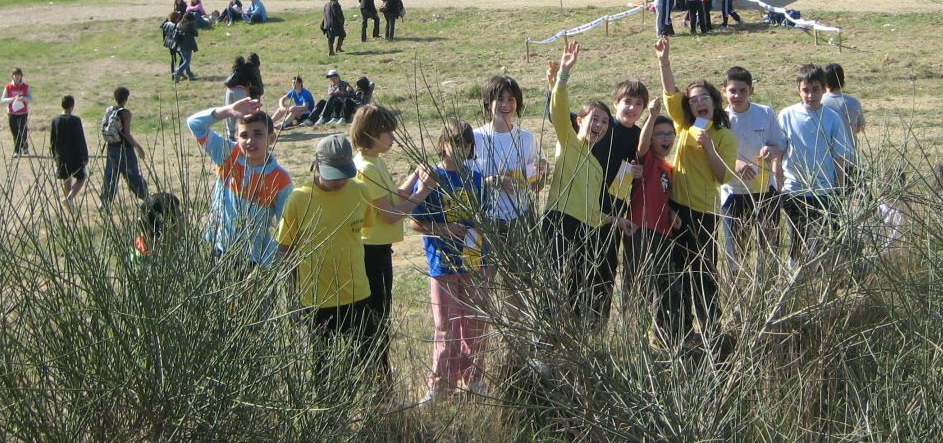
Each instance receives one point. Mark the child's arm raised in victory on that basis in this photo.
(662, 49)
(645, 139)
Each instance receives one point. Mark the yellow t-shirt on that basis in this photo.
(372, 171)
(577, 176)
(693, 183)
(324, 228)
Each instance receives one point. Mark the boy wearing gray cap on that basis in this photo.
(319, 234)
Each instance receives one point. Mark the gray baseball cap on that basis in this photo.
(334, 157)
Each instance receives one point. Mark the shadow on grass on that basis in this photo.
(210, 78)
(418, 39)
(374, 52)
(301, 135)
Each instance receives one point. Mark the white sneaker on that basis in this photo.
(336, 122)
(306, 123)
(320, 122)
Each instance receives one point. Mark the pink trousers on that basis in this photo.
(459, 332)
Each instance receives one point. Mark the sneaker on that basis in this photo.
(334, 121)
(306, 123)
(321, 121)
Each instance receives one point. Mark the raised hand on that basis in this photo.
(552, 69)
(654, 106)
(570, 53)
(662, 48)
(244, 107)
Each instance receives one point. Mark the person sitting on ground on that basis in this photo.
(255, 12)
(333, 26)
(232, 12)
(339, 105)
(295, 106)
(160, 219)
(180, 6)
(67, 140)
(197, 13)
(364, 88)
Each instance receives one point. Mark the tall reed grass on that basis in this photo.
(99, 345)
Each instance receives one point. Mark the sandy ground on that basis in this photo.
(51, 14)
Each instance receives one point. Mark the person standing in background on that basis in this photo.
(16, 95)
(392, 10)
(67, 140)
(333, 26)
(663, 26)
(368, 11)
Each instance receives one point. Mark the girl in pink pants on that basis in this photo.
(446, 220)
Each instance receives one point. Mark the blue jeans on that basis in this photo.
(122, 160)
(663, 17)
(185, 56)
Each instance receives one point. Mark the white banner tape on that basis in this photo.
(800, 23)
(583, 28)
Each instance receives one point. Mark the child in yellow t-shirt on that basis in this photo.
(704, 157)
(371, 133)
(319, 234)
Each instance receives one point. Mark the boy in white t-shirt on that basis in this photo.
(751, 198)
(508, 157)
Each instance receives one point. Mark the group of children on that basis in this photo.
(657, 191)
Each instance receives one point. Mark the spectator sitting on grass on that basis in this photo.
(255, 12)
(339, 105)
(364, 88)
(232, 12)
(296, 105)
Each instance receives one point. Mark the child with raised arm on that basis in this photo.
(446, 220)
(703, 160)
(817, 152)
(574, 210)
(751, 198)
(320, 233)
(371, 133)
(648, 261)
(251, 187)
(615, 152)
(67, 140)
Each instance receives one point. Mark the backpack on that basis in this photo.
(170, 35)
(111, 124)
(794, 14)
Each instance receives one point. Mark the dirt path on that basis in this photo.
(50, 14)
